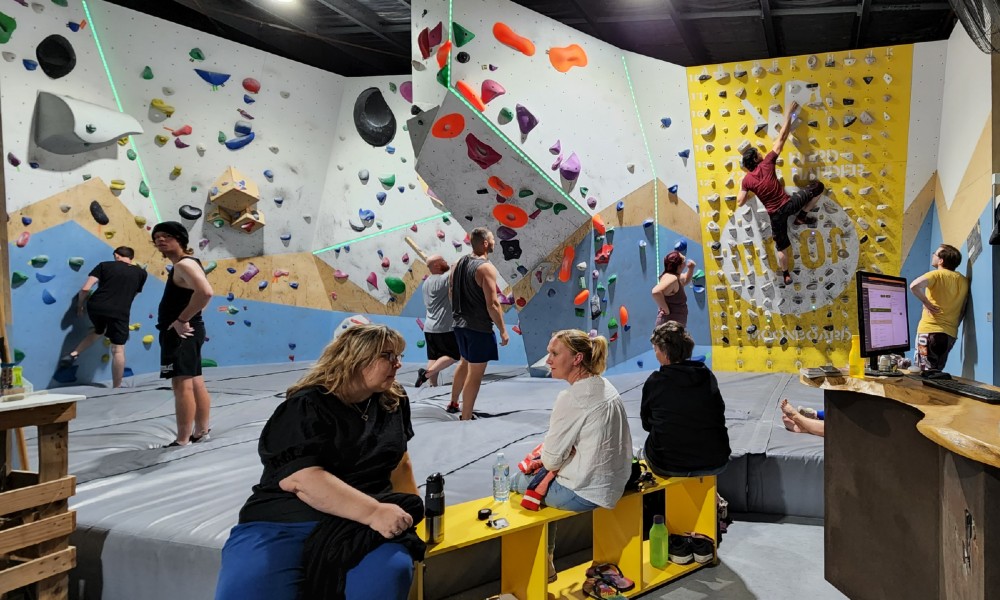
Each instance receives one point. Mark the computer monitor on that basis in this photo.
(882, 316)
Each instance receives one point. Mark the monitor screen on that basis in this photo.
(882, 315)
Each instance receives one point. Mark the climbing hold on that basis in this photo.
(506, 36)
(604, 254)
(160, 140)
(672, 189)
(196, 54)
(213, 78)
(245, 114)
(367, 216)
(7, 56)
(684, 153)
(511, 249)
(237, 142)
(612, 323)
(620, 206)
(372, 280)
(542, 204)
(97, 211)
(481, 153)
(56, 56)
(395, 285)
(130, 154)
(48, 298)
(251, 85)
(7, 26)
(17, 279)
(448, 126)
(380, 197)
(501, 188)
(849, 120)
(373, 118)
(490, 90)
(442, 54)
(269, 174)
(623, 315)
(261, 285)
(681, 246)
(461, 35)
(564, 59)
(582, 297)
(248, 99)
(250, 272)
(387, 181)
(190, 212)
(29, 64)
(147, 73)
(525, 120)
(463, 57)
(512, 216)
(570, 168)
(144, 189)
(567, 263)
(470, 94)
(505, 116)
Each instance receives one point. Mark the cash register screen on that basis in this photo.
(882, 314)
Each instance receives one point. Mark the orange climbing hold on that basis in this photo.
(581, 297)
(623, 315)
(506, 36)
(564, 59)
(567, 264)
(510, 215)
(470, 94)
(502, 188)
(599, 226)
(442, 54)
(448, 126)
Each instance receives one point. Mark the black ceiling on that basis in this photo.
(372, 37)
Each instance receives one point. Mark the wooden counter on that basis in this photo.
(912, 491)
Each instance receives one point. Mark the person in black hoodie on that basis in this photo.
(683, 410)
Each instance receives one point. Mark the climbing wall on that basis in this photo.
(851, 134)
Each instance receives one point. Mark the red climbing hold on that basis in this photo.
(564, 59)
(510, 215)
(448, 126)
(442, 54)
(22, 240)
(490, 90)
(623, 315)
(506, 36)
(599, 226)
(470, 94)
(481, 153)
(567, 264)
(251, 85)
(502, 188)
(582, 297)
(604, 254)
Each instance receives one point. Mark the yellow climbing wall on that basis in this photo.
(851, 134)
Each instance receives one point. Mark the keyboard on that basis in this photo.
(963, 389)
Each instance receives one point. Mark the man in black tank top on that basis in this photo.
(476, 308)
(182, 332)
(118, 282)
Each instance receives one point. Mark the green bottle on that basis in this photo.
(658, 537)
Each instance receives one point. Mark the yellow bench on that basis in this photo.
(690, 506)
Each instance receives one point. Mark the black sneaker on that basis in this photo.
(702, 548)
(453, 409)
(679, 550)
(421, 377)
(68, 361)
(204, 437)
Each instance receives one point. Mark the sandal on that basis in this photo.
(612, 575)
(599, 589)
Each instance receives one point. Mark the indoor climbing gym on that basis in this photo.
(499, 299)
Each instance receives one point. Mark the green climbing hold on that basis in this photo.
(144, 189)
(130, 154)
(699, 274)
(612, 323)
(62, 3)
(600, 288)
(90, 128)
(524, 193)
(208, 362)
(39, 261)
(583, 191)
(444, 76)
(579, 312)
(395, 285)
(558, 208)
(392, 87)
(18, 355)
(421, 343)
(232, 310)
(613, 278)
(194, 188)
(462, 36)
(583, 282)
(387, 181)
(542, 204)
(211, 267)
(147, 73)
(75, 262)
(445, 219)
(7, 26)
(506, 116)
(405, 128)
(86, 176)
(196, 54)
(17, 278)
(222, 137)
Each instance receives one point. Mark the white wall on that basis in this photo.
(926, 97)
(964, 110)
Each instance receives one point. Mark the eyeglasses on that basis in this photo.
(392, 357)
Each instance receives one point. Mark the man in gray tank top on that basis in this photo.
(442, 348)
(476, 309)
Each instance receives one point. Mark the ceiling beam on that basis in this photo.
(691, 40)
(809, 11)
(598, 31)
(861, 23)
(768, 22)
(366, 18)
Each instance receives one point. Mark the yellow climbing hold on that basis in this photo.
(147, 339)
(117, 185)
(110, 233)
(162, 106)
(160, 140)
(105, 358)
(140, 221)
(134, 326)
(176, 172)
(122, 141)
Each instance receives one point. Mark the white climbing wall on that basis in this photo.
(926, 96)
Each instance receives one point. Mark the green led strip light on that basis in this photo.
(378, 233)
(114, 92)
(652, 166)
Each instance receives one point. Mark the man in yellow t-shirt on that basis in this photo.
(943, 292)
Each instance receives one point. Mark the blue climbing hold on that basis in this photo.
(665, 122)
(213, 78)
(698, 289)
(684, 153)
(248, 99)
(401, 189)
(286, 237)
(672, 189)
(231, 270)
(242, 128)
(346, 248)
(390, 150)
(47, 297)
(293, 284)
(30, 64)
(238, 142)
(367, 218)
(26, 221)
(551, 292)
(268, 174)
(647, 223)
(261, 285)
(681, 246)
(380, 197)
(638, 363)
(230, 296)
(621, 205)
(291, 346)
(279, 201)
(246, 322)
(44, 277)
(33, 165)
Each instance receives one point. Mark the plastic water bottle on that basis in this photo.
(501, 479)
(658, 543)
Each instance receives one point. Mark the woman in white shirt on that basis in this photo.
(588, 444)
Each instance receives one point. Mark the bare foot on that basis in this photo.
(790, 424)
(788, 409)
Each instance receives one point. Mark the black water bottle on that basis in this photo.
(434, 508)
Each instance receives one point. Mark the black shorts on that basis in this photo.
(441, 344)
(181, 357)
(796, 202)
(476, 347)
(116, 330)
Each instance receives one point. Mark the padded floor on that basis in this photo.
(147, 514)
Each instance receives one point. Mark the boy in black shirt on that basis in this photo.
(118, 282)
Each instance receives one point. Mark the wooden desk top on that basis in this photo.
(39, 399)
(962, 425)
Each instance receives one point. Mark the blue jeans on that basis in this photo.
(263, 561)
(558, 496)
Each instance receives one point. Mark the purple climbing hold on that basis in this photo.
(570, 168)
(406, 90)
(592, 202)
(525, 120)
(493, 67)
(490, 90)
(555, 148)
(250, 272)
(685, 153)
(672, 189)
(372, 280)
(681, 246)
(557, 162)
(13, 160)
(481, 153)
(506, 233)
(180, 143)
(621, 205)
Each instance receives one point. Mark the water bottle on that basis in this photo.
(501, 479)
(855, 363)
(658, 543)
(434, 508)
